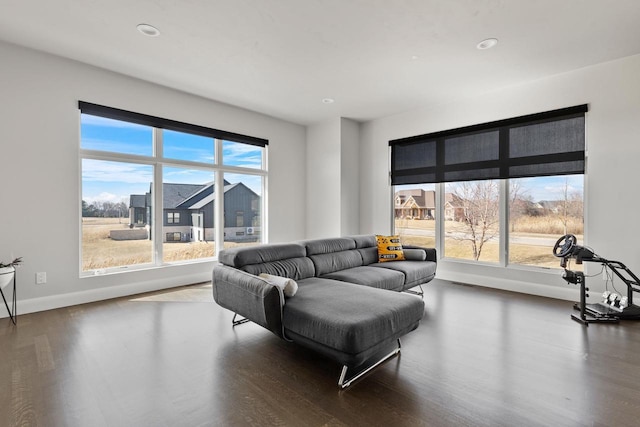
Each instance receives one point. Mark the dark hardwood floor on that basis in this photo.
(480, 357)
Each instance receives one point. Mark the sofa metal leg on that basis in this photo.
(420, 292)
(342, 383)
(240, 321)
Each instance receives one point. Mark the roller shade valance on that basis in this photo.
(158, 122)
(549, 143)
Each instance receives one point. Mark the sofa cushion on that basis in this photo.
(430, 253)
(365, 241)
(279, 259)
(414, 254)
(349, 318)
(415, 272)
(325, 246)
(329, 255)
(292, 268)
(335, 262)
(367, 245)
(245, 255)
(370, 276)
(369, 255)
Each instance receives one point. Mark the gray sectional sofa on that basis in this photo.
(344, 308)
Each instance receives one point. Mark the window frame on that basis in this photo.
(158, 162)
(171, 218)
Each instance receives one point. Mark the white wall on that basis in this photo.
(612, 91)
(333, 190)
(350, 177)
(39, 171)
(323, 179)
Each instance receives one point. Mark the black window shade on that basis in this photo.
(550, 143)
(158, 122)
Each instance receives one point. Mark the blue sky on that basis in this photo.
(552, 187)
(115, 181)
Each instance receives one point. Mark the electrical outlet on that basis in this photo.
(41, 278)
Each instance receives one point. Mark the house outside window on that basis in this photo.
(149, 187)
(241, 219)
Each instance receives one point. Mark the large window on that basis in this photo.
(114, 218)
(472, 220)
(503, 192)
(242, 217)
(540, 210)
(414, 210)
(149, 193)
(188, 200)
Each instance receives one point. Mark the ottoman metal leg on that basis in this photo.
(240, 321)
(342, 383)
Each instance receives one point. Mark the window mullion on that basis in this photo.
(218, 205)
(503, 215)
(158, 211)
(439, 226)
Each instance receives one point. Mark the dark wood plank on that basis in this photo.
(481, 357)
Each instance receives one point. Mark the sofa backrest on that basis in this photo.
(280, 259)
(367, 245)
(301, 260)
(329, 255)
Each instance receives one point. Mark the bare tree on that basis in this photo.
(479, 201)
(123, 209)
(571, 207)
(105, 209)
(518, 202)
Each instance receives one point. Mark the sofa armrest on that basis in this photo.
(430, 252)
(248, 295)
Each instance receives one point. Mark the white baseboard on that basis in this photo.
(108, 292)
(569, 293)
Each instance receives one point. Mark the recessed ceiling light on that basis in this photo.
(148, 30)
(487, 44)
(414, 57)
(328, 100)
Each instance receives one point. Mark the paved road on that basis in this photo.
(523, 240)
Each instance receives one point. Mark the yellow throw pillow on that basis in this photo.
(389, 249)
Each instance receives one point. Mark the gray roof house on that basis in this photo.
(188, 211)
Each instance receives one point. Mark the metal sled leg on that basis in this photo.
(342, 383)
(240, 321)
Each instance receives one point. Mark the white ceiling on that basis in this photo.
(282, 57)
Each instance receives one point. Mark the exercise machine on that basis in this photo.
(614, 306)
